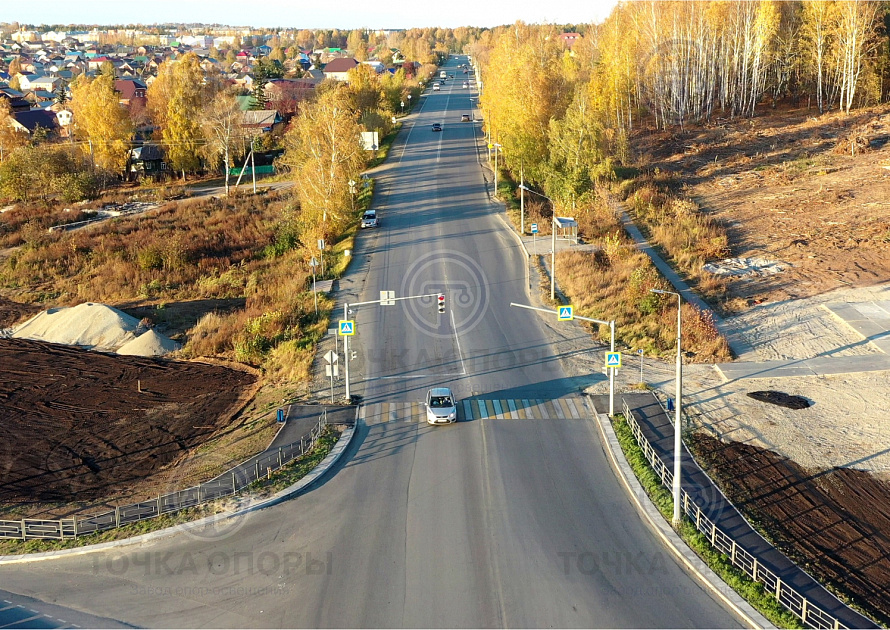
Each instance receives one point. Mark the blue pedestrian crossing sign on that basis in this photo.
(613, 359)
(565, 313)
(347, 327)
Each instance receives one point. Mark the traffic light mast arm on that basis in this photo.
(553, 312)
(410, 297)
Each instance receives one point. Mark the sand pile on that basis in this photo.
(149, 344)
(94, 327)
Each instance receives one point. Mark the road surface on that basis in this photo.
(510, 517)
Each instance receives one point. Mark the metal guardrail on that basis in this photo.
(227, 484)
(799, 605)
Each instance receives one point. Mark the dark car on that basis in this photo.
(437, 127)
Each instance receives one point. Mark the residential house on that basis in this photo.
(147, 161)
(44, 83)
(33, 119)
(569, 39)
(377, 65)
(256, 122)
(25, 81)
(131, 91)
(17, 102)
(337, 69)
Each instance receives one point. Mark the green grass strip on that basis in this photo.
(753, 592)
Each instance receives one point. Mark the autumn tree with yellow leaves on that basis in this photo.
(175, 101)
(324, 152)
(101, 123)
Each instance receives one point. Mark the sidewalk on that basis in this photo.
(739, 346)
(659, 430)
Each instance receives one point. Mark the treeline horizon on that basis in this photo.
(564, 118)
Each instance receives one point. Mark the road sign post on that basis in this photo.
(610, 324)
(535, 239)
(640, 352)
(331, 369)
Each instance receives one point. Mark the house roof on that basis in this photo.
(342, 64)
(148, 153)
(33, 118)
(128, 88)
(260, 118)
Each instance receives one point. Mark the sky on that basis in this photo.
(326, 14)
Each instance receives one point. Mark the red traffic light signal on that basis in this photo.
(441, 300)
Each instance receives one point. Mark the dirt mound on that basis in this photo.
(81, 425)
(781, 398)
(13, 312)
(149, 344)
(88, 325)
(834, 522)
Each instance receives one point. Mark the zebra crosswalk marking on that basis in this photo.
(572, 408)
(568, 408)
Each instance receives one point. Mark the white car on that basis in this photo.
(369, 219)
(441, 408)
(466, 85)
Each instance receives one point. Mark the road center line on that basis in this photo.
(457, 341)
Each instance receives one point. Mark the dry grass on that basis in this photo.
(688, 237)
(617, 286)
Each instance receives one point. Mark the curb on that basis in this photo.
(669, 537)
(326, 464)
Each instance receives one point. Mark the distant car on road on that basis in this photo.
(466, 85)
(465, 118)
(369, 219)
(437, 126)
(441, 407)
(435, 87)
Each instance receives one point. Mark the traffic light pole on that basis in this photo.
(610, 324)
(440, 297)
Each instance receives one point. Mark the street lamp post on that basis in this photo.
(678, 427)
(409, 102)
(553, 259)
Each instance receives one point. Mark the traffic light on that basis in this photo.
(441, 300)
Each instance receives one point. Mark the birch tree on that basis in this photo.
(175, 101)
(221, 123)
(854, 30)
(324, 150)
(815, 32)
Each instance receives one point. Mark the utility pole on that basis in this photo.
(521, 201)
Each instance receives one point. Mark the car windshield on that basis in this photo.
(369, 215)
(440, 402)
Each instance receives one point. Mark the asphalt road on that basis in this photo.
(486, 522)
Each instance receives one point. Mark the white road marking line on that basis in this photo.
(457, 341)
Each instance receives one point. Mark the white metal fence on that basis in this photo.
(799, 605)
(225, 485)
